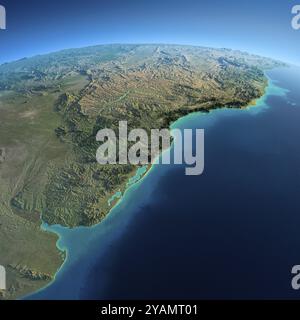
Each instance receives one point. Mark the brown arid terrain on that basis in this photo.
(51, 108)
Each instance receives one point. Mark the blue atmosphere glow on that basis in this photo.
(258, 26)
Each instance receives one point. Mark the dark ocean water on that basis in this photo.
(233, 232)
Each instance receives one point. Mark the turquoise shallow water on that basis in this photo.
(87, 248)
(138, 175)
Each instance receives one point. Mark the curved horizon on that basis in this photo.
(141, 44)
(260, 27)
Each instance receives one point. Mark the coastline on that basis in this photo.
(260, 104)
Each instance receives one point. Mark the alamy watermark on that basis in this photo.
(296, 18)
(2, 278)
(2, 18)
(296, 279)
(140, 148)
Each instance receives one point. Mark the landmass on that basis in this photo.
(51, 108)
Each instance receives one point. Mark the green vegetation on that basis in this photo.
(51, 108)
